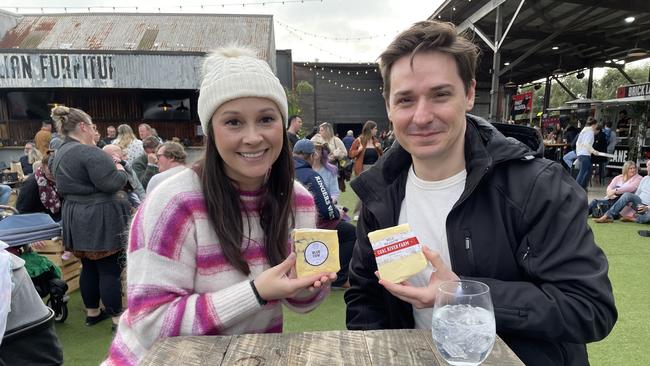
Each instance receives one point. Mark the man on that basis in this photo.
(43, 137)
(348, 140)
(145, 166)
(111, 134)
(144, 130)
(24, 160)
(639, 201)
(623, 124)
(328, 215)
(584, 150)
(486, 207)
(171, 160)
(295, 124)
(134, 189)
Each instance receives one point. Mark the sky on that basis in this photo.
(299, 26)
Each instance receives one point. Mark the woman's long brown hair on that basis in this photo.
(225, 209)
(366, 132)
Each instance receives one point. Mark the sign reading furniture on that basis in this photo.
(87, 70)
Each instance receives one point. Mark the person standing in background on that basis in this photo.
(366, 148)
(128, 142)
(43, 137)
(295, 124)
(584, 150)
(95, 212)
(348, 140)
(111, 134)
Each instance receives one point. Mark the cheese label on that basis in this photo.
(317, 251)
(398, 253)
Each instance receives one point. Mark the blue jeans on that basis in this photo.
(569, 158)
(625, 199)
(5, 192)
(585, 170)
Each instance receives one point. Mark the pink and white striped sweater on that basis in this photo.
(179, 282)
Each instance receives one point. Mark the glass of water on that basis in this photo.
(463, 326)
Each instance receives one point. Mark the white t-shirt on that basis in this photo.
(425, 207)
(585, 142)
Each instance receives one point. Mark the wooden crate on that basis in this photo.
(58, 261)
(73, 284)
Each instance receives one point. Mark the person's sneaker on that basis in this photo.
(645, 233)
(604, 219)
(92, 320)
(628, 219)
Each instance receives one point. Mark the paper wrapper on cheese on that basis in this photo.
(397, 252)
(317, 251)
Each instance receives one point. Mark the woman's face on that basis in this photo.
(248, 134)
(373, 131)
(321, 131)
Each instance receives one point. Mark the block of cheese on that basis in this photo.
(398, 253)
(317, 251)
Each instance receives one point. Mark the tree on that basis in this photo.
(605, 88)
(293, 96)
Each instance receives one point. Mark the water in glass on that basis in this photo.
(463, 326)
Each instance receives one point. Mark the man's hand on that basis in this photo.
(152, 159)
(422, 297)
(280, 282)
(641, 209)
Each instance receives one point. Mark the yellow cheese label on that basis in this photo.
(317, 251)
(397, 252)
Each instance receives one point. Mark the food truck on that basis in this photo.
(634, 136)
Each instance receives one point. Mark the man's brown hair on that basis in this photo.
(430, 35)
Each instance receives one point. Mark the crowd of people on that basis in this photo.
(209, 249)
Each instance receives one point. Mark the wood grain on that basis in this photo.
(333, 348)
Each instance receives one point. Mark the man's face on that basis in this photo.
(143, 132)
(296, 124)
(28, 148)
(427, 106)
(110, 132)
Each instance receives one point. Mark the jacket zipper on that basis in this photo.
(469, 250)
(525, 261)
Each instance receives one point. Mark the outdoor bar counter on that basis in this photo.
(378, 347)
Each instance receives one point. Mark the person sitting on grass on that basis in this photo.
(639, 201)
(627, 181)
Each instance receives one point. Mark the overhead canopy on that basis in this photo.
(586, 33)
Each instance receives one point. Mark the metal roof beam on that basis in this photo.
(565, 88)
(568, 26)
(485, 38)
(479, 14)
(514, 17)
(636, 6)
(625, 75)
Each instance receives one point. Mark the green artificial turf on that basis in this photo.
(628, 255)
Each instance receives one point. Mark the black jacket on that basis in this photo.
(519, 226)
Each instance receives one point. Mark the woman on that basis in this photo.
(336, 147)
(128, 142)
(324, 168)
(95, 212)
(366, 149)
(215, 239)
(628, 181)
(38, 192)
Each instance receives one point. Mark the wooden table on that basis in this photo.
(378, 347)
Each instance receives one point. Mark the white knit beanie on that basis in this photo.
(234, 72)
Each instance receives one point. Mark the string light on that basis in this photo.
(321, 72)
(314, 35)
(162, 8)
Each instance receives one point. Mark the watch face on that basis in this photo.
(316, 253)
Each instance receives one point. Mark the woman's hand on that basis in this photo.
(422, 297)
(280, 282)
